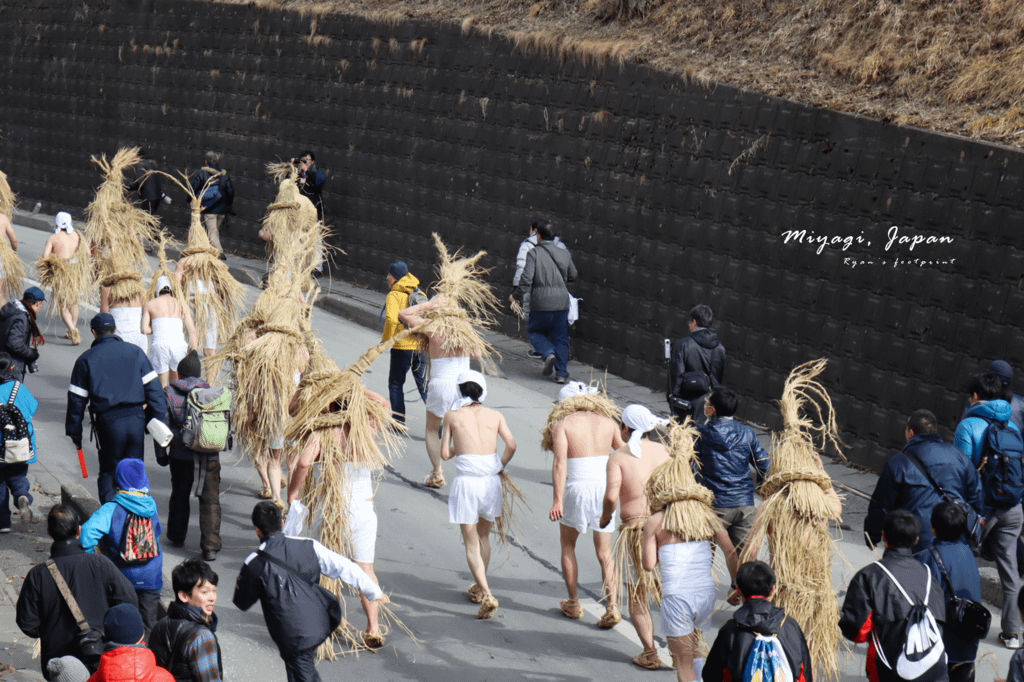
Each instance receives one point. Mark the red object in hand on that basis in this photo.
(81, 462)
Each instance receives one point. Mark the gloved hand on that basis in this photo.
(33, 356)
(77, 440)
(162, 458)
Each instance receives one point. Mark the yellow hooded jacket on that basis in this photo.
(397, 301)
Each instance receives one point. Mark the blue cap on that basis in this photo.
(102, 321)
(1002, 369)
(33, 294)
(398, 270)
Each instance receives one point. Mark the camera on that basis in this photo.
(33, 368)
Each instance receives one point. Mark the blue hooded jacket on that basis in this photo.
(970, 433)
(27, 403)
(108, 521)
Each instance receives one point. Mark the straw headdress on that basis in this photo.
(13, 268)
(163, 269)
(598, 403)
(116, 228)
(672, 488)
(8, 201)
(798, 505)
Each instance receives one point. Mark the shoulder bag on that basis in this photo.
(89, 640)
(966, 617)
(973, 520)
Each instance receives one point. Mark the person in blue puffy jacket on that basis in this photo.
(14, 477)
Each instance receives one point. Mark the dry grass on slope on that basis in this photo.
(950, 65)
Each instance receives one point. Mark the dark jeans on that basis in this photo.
(13, 477)
(183, 476)
(401, 362)
(149, 604)
(301, 666)
(121, 434)
(549, 334)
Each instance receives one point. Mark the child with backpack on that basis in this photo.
(953, 566)
(760, 638)
(15, 455)
(896, 606)
(130, 528)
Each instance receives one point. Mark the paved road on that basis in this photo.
(420, 559)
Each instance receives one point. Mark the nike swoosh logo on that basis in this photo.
(911, 670)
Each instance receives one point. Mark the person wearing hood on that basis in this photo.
(19, 333)
(14, 476)
(185, 642)
(127, 659)
(755, 583)
(696, 366)
(1004, 516)
(167, 320)
(131, 528)
(405, 354)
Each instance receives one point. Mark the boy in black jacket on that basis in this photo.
(727, 662)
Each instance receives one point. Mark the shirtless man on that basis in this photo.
(581, 443)
(628, 470)
(7, 230)
(63, 243)
(362, 518)
(442, 389)
(471, 429)
(167, 319)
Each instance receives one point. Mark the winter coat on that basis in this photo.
(27, 403)
(903, 486)
(727, 661)
(177, 395)
(16, 337)
(94, 581)
(148, 187)
(223, 205)
(726, 450)
(397, 301)
(963, 571)
(548, 269)
(108, 522)
(700, 351)
(130, 664)
(172, 635)
(970, 432)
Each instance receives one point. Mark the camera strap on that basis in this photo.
(65, 592)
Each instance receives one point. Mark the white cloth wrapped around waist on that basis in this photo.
(686, 567)
(358, 482)
(448, 368)
(478, 465)
(587, 469)
(168, 329)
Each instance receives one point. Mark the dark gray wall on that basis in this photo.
(669, 193)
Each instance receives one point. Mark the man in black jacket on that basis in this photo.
(216, 200)
(147, 185)
(19, 333)
(94, 581)
(296, 618)
(696, 366)
(185, 642)
(118, 383)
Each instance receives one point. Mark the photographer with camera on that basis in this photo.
(311, 181)
(19, 333)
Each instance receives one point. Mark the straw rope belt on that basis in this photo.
(280, 329)
(120, 277)
(193, 250)
(777, 481)
(284, 205)
(662, 498)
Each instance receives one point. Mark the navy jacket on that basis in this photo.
(16, 337)
(727, 661)
(726, 450)
(112, 374)
(903, 486)
(700, 350)
(223, 205)
(963, 571)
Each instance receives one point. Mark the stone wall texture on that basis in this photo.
(669, 193)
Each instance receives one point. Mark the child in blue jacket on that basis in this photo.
(14, 477)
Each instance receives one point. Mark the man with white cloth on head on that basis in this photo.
(582, 442)
(64, 245)
(629, 468)
(476, 495)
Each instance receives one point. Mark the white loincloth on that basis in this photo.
(476, 490)
(586, 480)
(688, 587)
(443, 387)
(129, 326)
(362, 518)
(169, 345)
(201, 287)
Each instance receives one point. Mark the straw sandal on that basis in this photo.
(434, 480)
(610, 619)
(264, 494)
(571, 608)
(487, 607)
(75, 337)
(373, 640)
(476, 593)
(649, 660)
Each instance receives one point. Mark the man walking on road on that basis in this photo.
(697, 366)
(216, 200)
(117, 382)
(19, 333)
(64, 269)
(406, 354)
(548, 269)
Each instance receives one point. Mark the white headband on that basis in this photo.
(164, 281)
(641, 420)
(575, 388)
(470, 376)
(64, 223)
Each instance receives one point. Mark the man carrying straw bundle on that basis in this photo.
(678, 538)
(12, 270)
(481, 492)
(799, 503)
(629, 468)
(449, 323)
(65, 269)
(582, 430)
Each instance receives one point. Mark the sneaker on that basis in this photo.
(1009, 641)
(209, 555)
(533, 354)
(560, 380)
(6, 529)
(24, 509)
(549, 365)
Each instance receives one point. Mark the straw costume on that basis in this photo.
(590, 400)
(798, 505)
(70, 280)
(13, 270)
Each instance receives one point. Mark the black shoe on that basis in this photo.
(222, 256)
(175, 543)
(24, 509)
(549, 366)
(533, 354)
(209, 555)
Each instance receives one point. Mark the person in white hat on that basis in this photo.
(167, 320)
(64, 269)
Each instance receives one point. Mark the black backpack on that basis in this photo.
(914, 650)
(1001, 471)
(15, 443)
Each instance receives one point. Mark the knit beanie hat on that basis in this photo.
(123, 625)
(398, 270)
(67, 669)
(131, 475)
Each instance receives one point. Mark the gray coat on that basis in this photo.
(548, 269)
